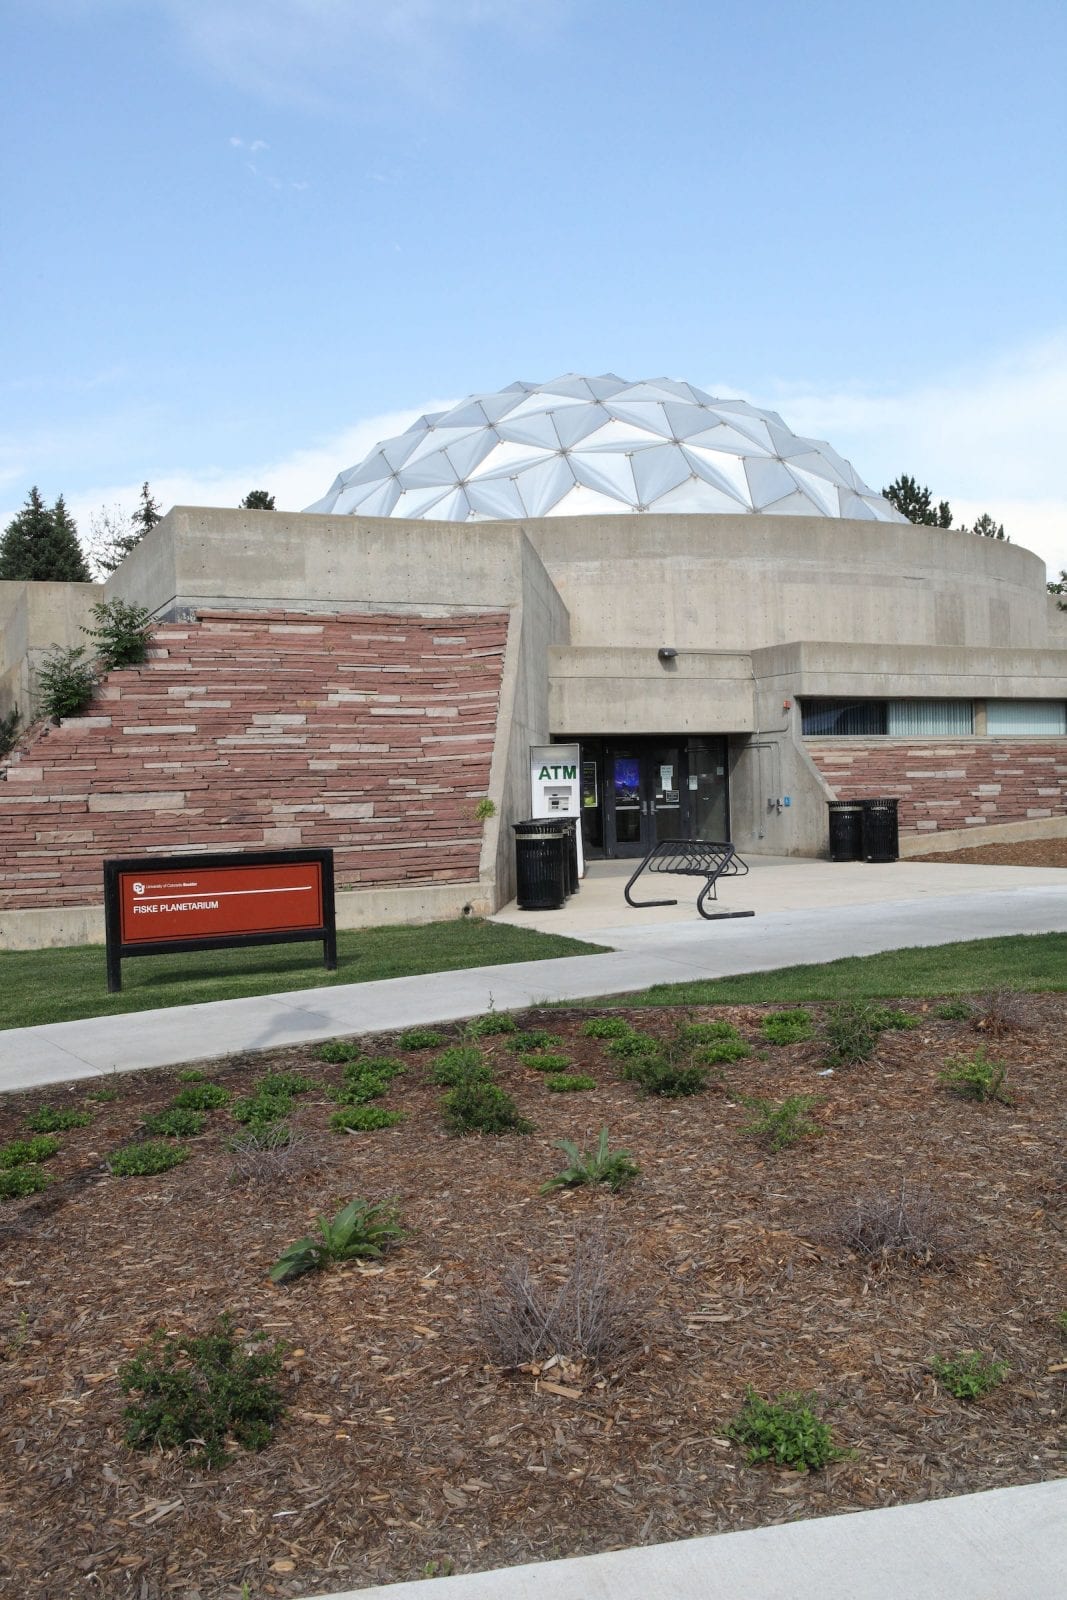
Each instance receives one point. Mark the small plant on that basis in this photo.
(53, 1119)
(779, 1123)
(546, 1061)
(695, 1033)
(1002, 1011)
(616, 1168)
(106, 1091)
(9, 732)
(907, 1224)
(490, 1022)
(175, 1123)
(201, 1097)
(629, 1046)
(66, 682)
(261, 1108)
(263, 1155)
(439, 1569)
(596, 1310)
(364, 1119)
(359, 1088)
(203, 1391)
(1061, 1323)
(192, 1075)
(17, 1181)
(336, 1050)
(24, 1152)
(850, 1034)
(969, 1374)
(788, 1027)
(607, 1028)
(461, 1063)
(122, 633)
(568, 1082)
(535, 1039)
(146, 1159)
(977, 1077)
(420, 1039)
(953, 1011)
(485, 808)
(885, 1018)
(661, 1074)
(785, 1431)
(714, 1055)
(476, 1107)
(359, 1231)
(286, 1083)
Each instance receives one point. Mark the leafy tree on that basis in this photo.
(1058, 588)
(257, 500)
(916, 503)
(116, 532)
(987, 528)
(39, 545)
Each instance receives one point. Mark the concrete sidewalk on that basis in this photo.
(645, 953)
(1007, 1544)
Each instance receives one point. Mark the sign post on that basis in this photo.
(164, 905)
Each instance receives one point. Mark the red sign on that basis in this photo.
(206, 902)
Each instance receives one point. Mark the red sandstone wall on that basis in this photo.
(370, 734)
(946, 785)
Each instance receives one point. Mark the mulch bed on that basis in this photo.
(1028, 853)
(403, 1451)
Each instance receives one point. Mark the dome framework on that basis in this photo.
(584, 446)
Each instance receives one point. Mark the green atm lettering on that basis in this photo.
(558, 772)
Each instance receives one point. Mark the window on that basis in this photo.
(901, 719)
(929, 718)
(835, 717)
(1026, 716)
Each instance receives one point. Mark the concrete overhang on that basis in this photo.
(604, 690)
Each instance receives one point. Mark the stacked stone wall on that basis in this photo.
(372, 734)
(942, 784)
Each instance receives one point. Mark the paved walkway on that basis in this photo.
(646, 950)
(1008, 1544)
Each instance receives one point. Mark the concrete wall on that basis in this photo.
(33, 618)
(596, 689)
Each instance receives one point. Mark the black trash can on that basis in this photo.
(540, 865)
(881, 833)
(570, 851)
(846, 830)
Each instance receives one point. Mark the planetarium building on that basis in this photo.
(727, 620)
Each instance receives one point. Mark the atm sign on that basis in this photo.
(207, 902)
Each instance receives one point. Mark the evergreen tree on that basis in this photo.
(146, 515)
(986, 528)
(39, 545)
(917, 505)
(257, 500)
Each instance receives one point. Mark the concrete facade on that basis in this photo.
(610, 628)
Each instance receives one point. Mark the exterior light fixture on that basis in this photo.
(666, 652)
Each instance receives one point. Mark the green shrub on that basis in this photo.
(203, 1391)
(460, 1064)
(420, 1039)
(24, 1152)
(364, 1119)
(192, 1075)
(106, 1091)
(969, 1374)
(788, 1027)
(50, 1119)
(535, 1039)
(264, 1105)
(888, 1017)
(713, 1055)
(662, 1075)
(546, 1061)
(607, 1028)
(381, 1066)
(357, 1090)
(336, 1050)
(631, 1045)
(485, 808)
(66, 682)
(953, 1011)
(568, 1082)
(779, 1123)
(201, 1097)
(146, 1159)
(694, 1033)
(850, 1033)
(122, 633)
(476, 1107)
(359, 1231)
(17, 1181)
(490, 1022)
(9, 732)
(977, 1077)
(286, 1083)
(616, 1168)
(785, 1431)
(176, 1123)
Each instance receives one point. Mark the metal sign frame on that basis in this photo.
(119, 950)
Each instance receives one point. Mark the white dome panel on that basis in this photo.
(580, 445)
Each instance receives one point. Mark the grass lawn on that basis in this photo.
(1018, 961)
(38, 986)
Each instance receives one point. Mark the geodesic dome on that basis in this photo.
(578, 446)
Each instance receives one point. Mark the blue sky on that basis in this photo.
(244, 239)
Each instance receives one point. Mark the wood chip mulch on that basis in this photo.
(1027, 853)
(404, 1451)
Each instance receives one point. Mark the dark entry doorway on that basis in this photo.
(638, 792)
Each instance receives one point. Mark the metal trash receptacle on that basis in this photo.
(540, 865)
(570, 852)
(881, 831)
(846, 830)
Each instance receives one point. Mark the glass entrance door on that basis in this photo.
(665, 790)
(637, 792)
(627, 802)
